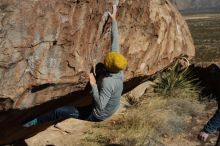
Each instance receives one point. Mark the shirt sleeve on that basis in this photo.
(213, 124)
(115, 37)
(101, 98)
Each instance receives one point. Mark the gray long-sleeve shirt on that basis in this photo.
(108, 90)
(115, 37)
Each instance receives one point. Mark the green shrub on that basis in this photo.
(177, 83)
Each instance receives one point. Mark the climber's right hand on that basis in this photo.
(114, 13)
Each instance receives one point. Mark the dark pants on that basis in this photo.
(83, 113)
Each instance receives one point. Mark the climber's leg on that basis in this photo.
(86, 113)
(58, 114)
(83, 113)
(92, 118)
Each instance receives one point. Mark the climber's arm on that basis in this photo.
(115, 37)
(101, 97)
(213, 124)
(115, 34)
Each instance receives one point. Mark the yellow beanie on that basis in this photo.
(115, 62)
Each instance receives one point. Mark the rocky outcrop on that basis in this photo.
(68, 132)
(47, 47)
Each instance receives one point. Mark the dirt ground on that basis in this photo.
(72, 132)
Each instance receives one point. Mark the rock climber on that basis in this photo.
(106, 91)
(212, 125)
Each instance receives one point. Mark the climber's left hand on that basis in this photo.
(92, 79)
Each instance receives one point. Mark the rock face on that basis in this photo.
(47, 47)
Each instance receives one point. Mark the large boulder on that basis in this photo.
(47, 47)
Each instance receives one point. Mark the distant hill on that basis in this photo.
(197, 5)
